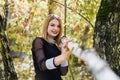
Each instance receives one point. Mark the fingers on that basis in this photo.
(65, 49)
(66, 43)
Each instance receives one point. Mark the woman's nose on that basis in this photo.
(56, 28)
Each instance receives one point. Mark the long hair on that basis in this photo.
(45, 27)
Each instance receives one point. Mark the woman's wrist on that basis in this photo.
(64, 63)
(59, 59)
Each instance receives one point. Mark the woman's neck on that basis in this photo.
(51, 39)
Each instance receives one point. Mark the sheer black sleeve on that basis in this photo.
(64, 70)
(39, 54)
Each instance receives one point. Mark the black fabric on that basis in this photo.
(41, 51)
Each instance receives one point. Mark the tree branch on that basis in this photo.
(76, 13)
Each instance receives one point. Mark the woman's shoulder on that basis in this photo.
(38, 40)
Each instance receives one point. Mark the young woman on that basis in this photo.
(50, 60)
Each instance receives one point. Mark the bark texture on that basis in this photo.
(50, 6)
(9, 71)
(107, 33)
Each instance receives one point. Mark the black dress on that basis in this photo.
(41, 51)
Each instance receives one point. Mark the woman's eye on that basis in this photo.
(58, 26)
(52, 25)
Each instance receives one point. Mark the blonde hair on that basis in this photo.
(45, 27)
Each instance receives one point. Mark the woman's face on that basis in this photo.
(53, 28)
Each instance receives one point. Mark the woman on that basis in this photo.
(50, 60)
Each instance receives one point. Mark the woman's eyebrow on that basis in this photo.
(52, 24)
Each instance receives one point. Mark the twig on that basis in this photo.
(76, 13)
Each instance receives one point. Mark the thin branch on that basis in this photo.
(65, 16)
(70, 68)
(76, 13)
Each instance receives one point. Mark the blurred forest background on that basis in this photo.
(24, 22)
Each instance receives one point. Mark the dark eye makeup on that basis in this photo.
(52, 24)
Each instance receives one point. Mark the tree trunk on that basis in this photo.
(9, 71)
(107, 33)
(50, 6)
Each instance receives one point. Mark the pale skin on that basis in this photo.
(53, 31)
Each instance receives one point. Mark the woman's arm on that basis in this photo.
(64, 68)
(62, 60)
(42, 62)
(39, 54)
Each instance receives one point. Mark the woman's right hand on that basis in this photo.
(65, 52)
